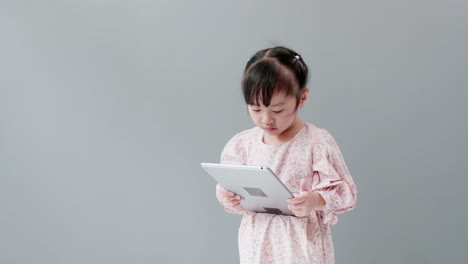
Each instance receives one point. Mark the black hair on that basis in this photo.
(271, 71)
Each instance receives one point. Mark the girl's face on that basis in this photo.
(279, 117)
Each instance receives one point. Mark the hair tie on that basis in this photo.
(297, 57)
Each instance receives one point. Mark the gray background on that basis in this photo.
(108, 107)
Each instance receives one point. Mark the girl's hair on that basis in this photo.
(272, 71)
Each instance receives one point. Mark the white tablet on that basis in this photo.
(262, 190)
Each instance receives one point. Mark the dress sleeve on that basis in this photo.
(233, 153)
(332, 179)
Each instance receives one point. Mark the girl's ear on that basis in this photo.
(304, 95)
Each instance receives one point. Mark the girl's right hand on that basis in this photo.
(227, 198)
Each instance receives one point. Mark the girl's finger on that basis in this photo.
(228, 194)
(233, 198)
(233, 203)
(294, 207)
(296, 200)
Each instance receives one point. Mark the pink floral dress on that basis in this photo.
(312, 154)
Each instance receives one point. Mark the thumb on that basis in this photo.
(303, 186)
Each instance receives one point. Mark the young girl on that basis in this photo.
(306, 159)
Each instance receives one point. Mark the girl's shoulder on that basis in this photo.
(245, 136)
(317, 136)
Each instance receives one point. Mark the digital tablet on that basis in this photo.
(262, 190)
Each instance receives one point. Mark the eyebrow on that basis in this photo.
(279, 104)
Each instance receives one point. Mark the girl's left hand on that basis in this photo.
(306, 202)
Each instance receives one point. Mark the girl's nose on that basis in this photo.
(267, 119)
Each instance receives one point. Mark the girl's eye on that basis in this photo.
(277, 112)
(256, 110)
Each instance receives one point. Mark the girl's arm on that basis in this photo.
(233, 153)
(332, 180)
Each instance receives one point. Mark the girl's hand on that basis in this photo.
(306, 202)
(227, 198)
